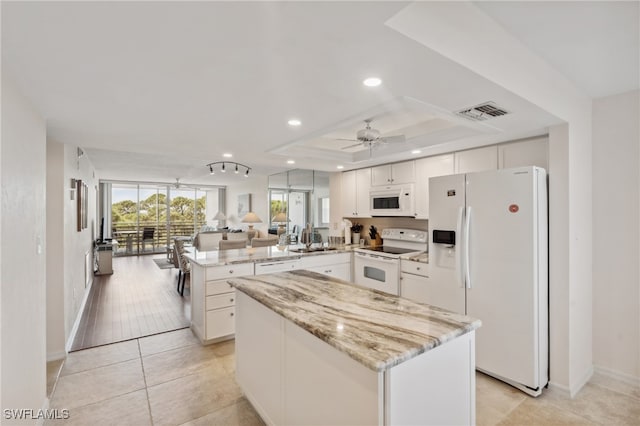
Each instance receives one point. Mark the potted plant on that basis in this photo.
(356, 228)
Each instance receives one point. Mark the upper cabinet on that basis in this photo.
(393, 173)
(426, 168)
(476, 160)
(355, 193)
(530, 152)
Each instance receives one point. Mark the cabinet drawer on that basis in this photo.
(218, 287)
(276, 266)
(341, 271)
(220, 301)
(308, 262)
(220, 322)
(417, 268)
(228, 271)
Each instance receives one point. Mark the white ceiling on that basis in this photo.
(155, 90)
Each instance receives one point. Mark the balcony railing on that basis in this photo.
(129, 236)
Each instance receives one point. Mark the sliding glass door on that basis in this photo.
(145, 218)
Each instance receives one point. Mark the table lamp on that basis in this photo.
(251, 218)
(220, 217)
(281, 219)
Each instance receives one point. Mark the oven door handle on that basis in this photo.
(376, 258)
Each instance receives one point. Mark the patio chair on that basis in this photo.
(147, 236)
(180, 262)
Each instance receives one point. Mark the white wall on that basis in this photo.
(616, 235)
(23, 212)
(77, 244)
(257, 187)
(57, 195)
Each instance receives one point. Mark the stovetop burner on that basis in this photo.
(390, 250)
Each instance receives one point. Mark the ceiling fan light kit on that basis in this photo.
(370, 137)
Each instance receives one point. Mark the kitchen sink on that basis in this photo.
(311, 249)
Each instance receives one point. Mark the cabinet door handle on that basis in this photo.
(418, 268)
(231, 300)
(328, 271)
(231, 271)
(231, 314)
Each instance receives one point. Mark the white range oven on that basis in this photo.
(379, 267)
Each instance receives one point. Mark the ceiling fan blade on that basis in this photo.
(393, 139)
(351, 146)
(343, 139)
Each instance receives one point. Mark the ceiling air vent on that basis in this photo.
(483, 112)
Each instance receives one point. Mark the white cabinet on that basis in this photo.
(355, 193)
(439, 165)
(530, 152)
(414, 277)
(333, 265)
(396, 173)
(213, 300)
(476, 160)
(291, 377)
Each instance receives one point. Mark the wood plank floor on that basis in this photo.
(139, 299)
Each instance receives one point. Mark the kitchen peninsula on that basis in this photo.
(312, 349)
(213, 299)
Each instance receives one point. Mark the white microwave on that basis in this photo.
(392, 200)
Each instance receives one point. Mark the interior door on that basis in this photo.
(502, 273)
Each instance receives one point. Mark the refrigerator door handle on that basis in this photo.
(467, 229)
(458, 259)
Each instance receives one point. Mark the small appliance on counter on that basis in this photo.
(347, 231)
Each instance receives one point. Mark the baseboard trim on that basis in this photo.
(562, 389)
(55, 356)
(572, 390)
(45, 408)
(617, 375)
(578, 385)
(76, 323)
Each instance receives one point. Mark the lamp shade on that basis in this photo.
(251, 217)
(220, 216)
(280, 217)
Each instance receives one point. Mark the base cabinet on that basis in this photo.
(414, 280)
(213, 300)
(319, 384)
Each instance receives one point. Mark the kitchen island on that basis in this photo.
(312, 349)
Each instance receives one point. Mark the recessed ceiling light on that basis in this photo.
(227, 155)
(372, 82)
(339, 167)
(416, 151)
(291, 162)
(294, 122)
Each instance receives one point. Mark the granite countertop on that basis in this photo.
(376, 329)
(256, 254)
(422, 257)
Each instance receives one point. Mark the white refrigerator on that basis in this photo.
(488, 259)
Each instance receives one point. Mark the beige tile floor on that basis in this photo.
(170, 379)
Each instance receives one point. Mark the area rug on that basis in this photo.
(163, 263)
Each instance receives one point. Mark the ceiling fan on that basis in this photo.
(370, 137)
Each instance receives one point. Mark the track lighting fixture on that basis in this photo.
(223, 167)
